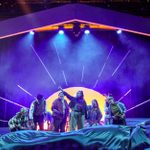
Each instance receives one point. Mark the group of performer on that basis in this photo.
(77, 111)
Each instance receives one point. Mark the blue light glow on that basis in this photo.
(31, 32)
(87, 31)
(61, 32)
(119, 31)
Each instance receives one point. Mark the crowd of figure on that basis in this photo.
(80, 115)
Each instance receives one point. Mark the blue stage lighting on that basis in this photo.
(61, 32)
(119, 31)
(87, 31)
(31, 32)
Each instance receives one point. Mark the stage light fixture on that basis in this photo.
(31, 32)
(119, 31)
(61, 30)
(86, 29)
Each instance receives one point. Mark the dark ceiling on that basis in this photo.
(14, 8)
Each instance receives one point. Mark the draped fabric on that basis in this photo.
(102, 137)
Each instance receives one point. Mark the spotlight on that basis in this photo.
(119, 31)
(87, 31)
(61, 32)
(31, 32)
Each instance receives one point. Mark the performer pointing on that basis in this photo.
(78, 110)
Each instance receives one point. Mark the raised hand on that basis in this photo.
(60, 88)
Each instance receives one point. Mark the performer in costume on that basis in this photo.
(94, 114)
(19, 121)
(78, 110)
(38, 111)
(117, 110)
(60, 111)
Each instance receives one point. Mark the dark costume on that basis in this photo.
(37, 112)
(78, 113)
(60, 110)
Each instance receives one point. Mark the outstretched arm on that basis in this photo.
(66, 94)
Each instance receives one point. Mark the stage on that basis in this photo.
(99, 137)
(100, 53)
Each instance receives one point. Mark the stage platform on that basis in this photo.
(93, 138)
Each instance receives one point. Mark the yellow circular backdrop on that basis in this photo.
(89, 95)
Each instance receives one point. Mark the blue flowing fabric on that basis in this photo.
(102, 137)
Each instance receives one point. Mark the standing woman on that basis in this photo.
(95, 114)
(78, 110)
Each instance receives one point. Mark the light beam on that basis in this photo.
(25, 90)
(43, 65)
(7, 100)
(63, 73)
(125, 94)
(101, 71)
(139, 105)
(95, 83)
(3, 120)
(82, 74)
(64, 77)
(57, 53)
(121, 63)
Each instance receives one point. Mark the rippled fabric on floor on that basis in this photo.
(103, 137)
